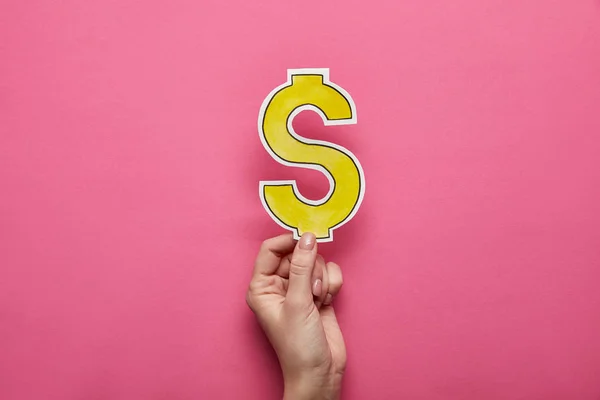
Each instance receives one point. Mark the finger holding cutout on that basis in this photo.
(319, 273)
(302, 265)
(270, 254)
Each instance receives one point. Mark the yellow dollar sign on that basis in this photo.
(310, 89)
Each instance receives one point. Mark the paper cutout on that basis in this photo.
(310, 89)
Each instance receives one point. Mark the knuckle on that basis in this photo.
(271, 280)
(252, 287)
(249, 301)
(297, 268)
(256, 285)
(300, 261)
(264, 245)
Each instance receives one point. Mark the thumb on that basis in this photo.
(301, 269)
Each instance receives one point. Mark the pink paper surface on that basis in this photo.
(130, 216)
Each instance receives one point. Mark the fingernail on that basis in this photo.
(307, 241)
(317, 288)
(328, 299)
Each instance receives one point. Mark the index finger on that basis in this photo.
(271, 252)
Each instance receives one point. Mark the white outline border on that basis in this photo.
(324, 72)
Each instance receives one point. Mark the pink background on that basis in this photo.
(130, 216)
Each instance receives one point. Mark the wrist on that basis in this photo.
(313, 387)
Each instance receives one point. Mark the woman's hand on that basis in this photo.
(291, 293)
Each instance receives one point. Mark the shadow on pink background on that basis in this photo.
(130, 216)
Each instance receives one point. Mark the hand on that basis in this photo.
(291, 293)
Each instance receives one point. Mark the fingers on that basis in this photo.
(271, 252)
(334, 273)
(302, 265)
(284, 267)
(320, 281)
(330, 275)
(310, 279)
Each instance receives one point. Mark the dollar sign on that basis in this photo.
(310, 89)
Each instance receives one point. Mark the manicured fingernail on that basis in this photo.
(317, 288)
(307, 241)
(328, 299)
